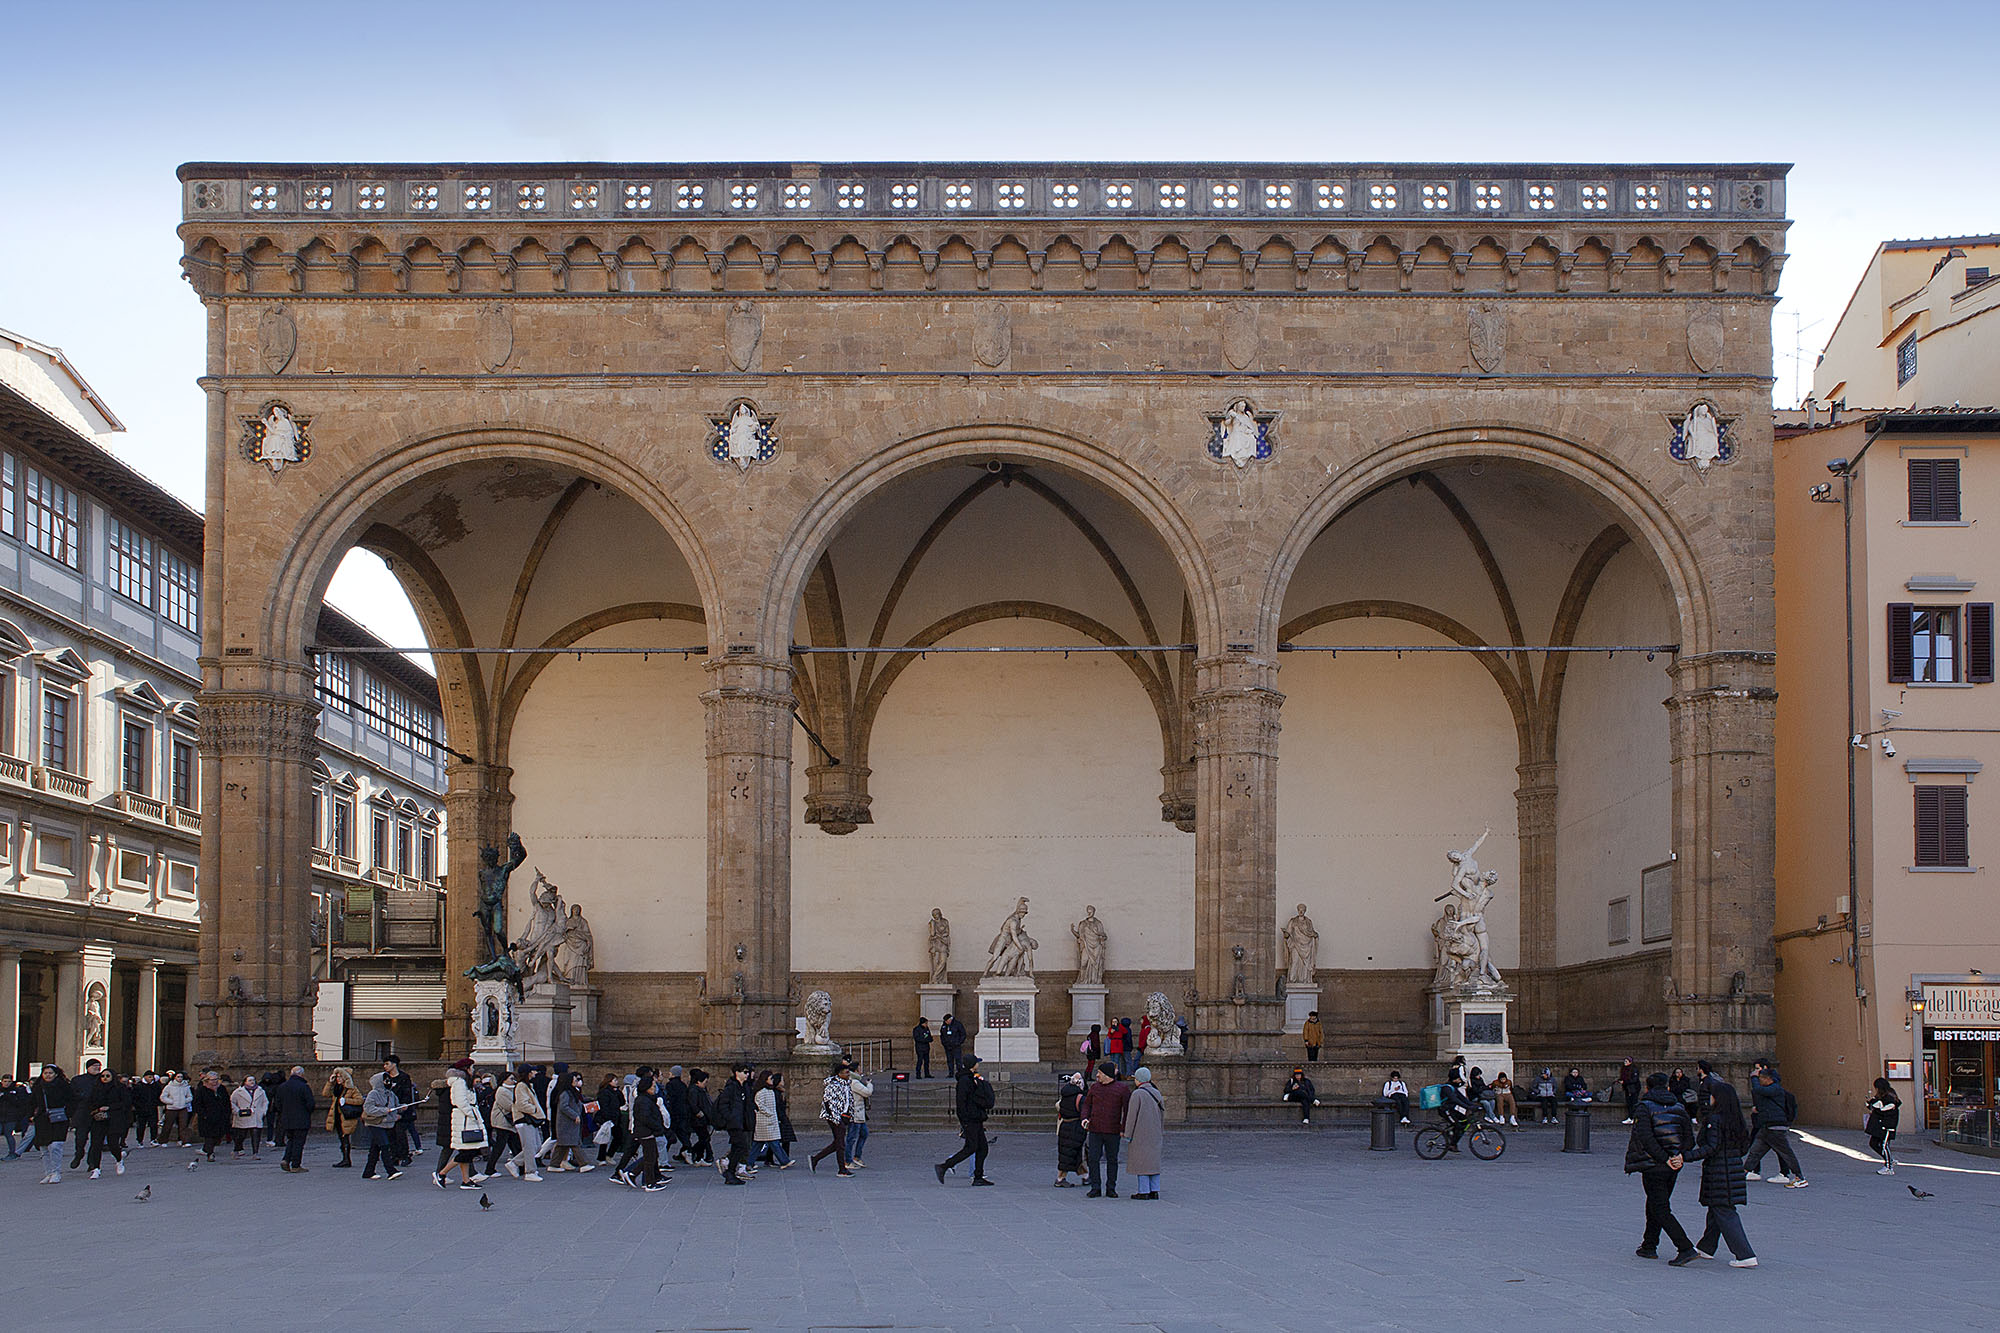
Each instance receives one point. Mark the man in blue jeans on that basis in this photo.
(1776, 1109)
(1103, 1112)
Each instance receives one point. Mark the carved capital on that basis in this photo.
(837, 797)
(256, 725)
(1235, 720)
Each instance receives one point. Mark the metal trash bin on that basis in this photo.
(1576, 1128)
(1382, 1126)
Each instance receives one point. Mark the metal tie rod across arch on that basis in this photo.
(799, 649)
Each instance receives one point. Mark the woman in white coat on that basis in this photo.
(468, 1131)
(248, 1106)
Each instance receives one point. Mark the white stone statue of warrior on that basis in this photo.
(1090, 944)
(744, 446)
(1239, 433)
(576, 950)
(1012, 953)
(537, 945)
(1301, 949)
(280, 444)
(940, 946)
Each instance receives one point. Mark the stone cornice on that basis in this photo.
(399, 230)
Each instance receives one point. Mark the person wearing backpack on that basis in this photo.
(1662, 1135)
(1776, 1109)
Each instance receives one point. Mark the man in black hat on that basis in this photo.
(975, 1103)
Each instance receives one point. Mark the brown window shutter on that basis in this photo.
(1944, 490)
(1902, 661)
(1979, 642)
(1952, 827)
(1923, 492)
(1928, 840)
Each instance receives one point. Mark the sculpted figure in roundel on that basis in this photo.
(819, 1022)
(1239, 433)
(1166, 1033)
(744, 446)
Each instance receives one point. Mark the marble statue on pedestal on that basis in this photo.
(576, 951)
(817, 1034)
(940, 946)
(1166, 1030)
(1464, 947)
(1090, 945)
(1012, 953)
(536, 949)
(1301, 949)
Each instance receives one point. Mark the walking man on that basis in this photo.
(836, 1109)
(1103, 1126)
(736, 1116)
(1776, 1108)
(975, 1103)
(295, 1113)
(1661, 1133)
(920, 1042)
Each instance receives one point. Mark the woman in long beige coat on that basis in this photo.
(1145, 1134)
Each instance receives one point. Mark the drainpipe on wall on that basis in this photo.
(1845, 468)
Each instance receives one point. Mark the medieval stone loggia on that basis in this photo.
(1027, 590)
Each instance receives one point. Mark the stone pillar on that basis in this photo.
(1535, 817)
(1238, 1011)
(69, 1012)
(256, 982)
(189, 1019)
(748, 711)
(478, 811)
(10, 1012)
(1722, 715)
(146, 1036)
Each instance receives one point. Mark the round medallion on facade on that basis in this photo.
(277, 437)
(1240, 434)
(743, 436)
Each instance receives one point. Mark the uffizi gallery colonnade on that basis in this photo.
(1233, 432)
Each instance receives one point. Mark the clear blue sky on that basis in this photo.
(1887, 111)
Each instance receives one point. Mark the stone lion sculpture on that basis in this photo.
(1166, 1034)
(819, 1022)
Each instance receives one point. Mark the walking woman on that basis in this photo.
(468, 1132)
(52, 1125)
(568, 1096)
(248, 1106)
(212, 1112)
(611, 1111)
(1724, 1187)
(343, 1111)
(1070, 1133)
(836, 1109)
(176, 1100)
(379, 1113)
(769, 1136)
(1885, 1110)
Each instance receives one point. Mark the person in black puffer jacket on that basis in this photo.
(1069, 1131)
(1662, 1133)
(1724, 1136)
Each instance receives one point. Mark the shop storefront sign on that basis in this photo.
(1962, 1005)
(1963, 1034)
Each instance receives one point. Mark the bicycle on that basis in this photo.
(1486, 1141)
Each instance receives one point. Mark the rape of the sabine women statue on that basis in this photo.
(1012, 953)
(1464, 949)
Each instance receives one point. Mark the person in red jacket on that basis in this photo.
(1114, 1045)
(1103, 1124)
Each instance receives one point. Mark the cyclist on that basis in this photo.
(1459, 1112)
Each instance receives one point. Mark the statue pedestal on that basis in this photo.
(935, 999)
(1086, 1007)
(1474, 1024)
(1006, 1031)
(583, 1017)
(546, 1016)
(1300, 1000)
(495, 1024)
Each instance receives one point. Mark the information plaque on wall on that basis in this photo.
(1005, 1014)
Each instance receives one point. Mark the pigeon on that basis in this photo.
(1920, 1194)
(195, 1165)
(144, 1194)
(484, 1202)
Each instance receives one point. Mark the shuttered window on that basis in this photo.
(1941, 827)
(1934, 490)
(1935, 645)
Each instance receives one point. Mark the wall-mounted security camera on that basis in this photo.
(1858, 741)
(1891, 714)
(1888, 749)
(1836, 466)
